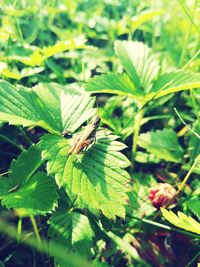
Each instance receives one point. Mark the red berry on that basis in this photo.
(162, 194)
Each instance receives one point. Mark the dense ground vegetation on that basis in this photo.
(131, 196)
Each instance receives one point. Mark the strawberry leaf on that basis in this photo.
(95, 178)
(51, 106)
(27, 189)
(164, 144)
(113, 84)
(182, 221)
(71, 229)
(139, 63)
(174, 82)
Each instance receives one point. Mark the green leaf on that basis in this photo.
(142, 67)
(140, 204)
(143, 157)
(71, 229)
(113, 84)
(181, 221)
(139, 63)
(174, 82)
(40, 54)
(14, 73)
(55, 149)
(143, 17)
(97, 263)
(126, 247)
(22, 106)
(26, 189)
(164, 144)
(69, 105)
(194, 205)
(53, 107)
(194, 143)
(95, 178)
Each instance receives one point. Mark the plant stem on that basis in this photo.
(137, 130)
(35, 229)
(195, 106)
(180, 187)
(160, 225)
(11, 142)
(25, 136)
(192, 261)
(187, 12)
(187, 36)
(59, 251)
(191, 60)
(188, 175)
(197, 135)
(126, 247)
(19, 228)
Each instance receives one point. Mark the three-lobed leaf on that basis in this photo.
(142, 67)
(96, 177)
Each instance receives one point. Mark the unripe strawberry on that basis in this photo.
(162, 194)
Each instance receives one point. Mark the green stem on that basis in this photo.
(11, 142)
(191, 60)
(196, 108)
(25, 136)
(137, 127)
(59, 251)
(188, 14)
(19, 30)
(187, 36)
(192, 261)
(197, 135)
(181, 185)
(19, 228)
(169, 228)
(35, 229)
(188, 175)
(83, 71)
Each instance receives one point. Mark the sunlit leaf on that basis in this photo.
(38, 56)
(182, 221)
(53, 107)
(95, 178)
(69, 105)
(10, 74)
(113, 84)
(174, 82)
(143, 17)
(22, 106)
(139, 63)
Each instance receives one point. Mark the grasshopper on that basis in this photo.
(86, 137)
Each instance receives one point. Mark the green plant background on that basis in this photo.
(136, 64)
